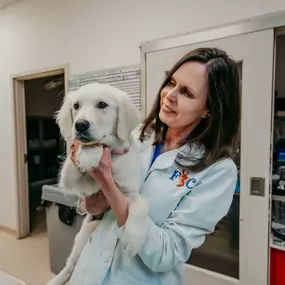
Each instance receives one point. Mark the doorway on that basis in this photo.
(37, 96)
(277, 229)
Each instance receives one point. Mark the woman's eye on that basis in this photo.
(187, 94)
(171, 83)
(76, 106)
(102, 105)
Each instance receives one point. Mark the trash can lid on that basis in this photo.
(52, 193)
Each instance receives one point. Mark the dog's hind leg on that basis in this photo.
(136, 225)
(88, 227)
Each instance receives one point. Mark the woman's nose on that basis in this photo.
(172, 94)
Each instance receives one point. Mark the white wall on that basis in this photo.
(91, 35)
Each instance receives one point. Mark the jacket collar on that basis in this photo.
(167, 159)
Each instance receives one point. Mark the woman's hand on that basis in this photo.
(103, 173)
(103, 176)
(95, 204)
(74, 149)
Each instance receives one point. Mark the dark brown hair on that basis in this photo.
(218, 133)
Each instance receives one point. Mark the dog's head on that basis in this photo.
(96, 111)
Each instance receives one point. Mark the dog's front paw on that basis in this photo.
(88, 158)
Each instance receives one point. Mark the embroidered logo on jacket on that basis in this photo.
(183, 178)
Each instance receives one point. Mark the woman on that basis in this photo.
(186, 145)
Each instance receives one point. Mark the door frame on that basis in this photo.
(20, 143)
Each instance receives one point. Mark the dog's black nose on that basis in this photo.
(82, 125)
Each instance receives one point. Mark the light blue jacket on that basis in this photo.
(182, 212)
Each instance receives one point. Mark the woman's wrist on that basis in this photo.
(110, 184)
(117, 201)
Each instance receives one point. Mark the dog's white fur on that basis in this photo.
(111, 126)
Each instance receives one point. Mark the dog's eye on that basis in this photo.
(102, 105)
(76, 106)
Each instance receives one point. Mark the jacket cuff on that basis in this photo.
(119, 231)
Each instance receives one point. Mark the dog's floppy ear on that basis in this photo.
(128, 117)
(64, 118)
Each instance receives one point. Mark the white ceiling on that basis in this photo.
(4, 3)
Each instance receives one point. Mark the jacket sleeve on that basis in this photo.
(195, 216)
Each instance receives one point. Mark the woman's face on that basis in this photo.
(183, 99)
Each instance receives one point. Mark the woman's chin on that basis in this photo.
(162, 117)
(165, 119)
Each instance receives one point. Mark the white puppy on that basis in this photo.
(98, 115)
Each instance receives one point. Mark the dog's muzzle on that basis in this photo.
(82, 131)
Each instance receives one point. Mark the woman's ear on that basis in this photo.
(207, 115)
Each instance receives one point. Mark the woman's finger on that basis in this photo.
(76, 145)
(74, 148)
(72, 157)
(96, 203)
(106, 158)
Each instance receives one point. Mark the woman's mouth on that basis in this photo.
(167, 109)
